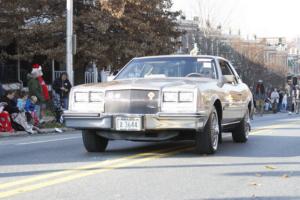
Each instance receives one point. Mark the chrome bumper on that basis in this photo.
(160, 121)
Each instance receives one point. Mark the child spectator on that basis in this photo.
(17, 117)
(21, 101)
(30, 109)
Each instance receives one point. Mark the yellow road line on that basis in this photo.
(82, 174)
(271, 127)
(82, 168)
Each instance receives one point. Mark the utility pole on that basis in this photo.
(69, 41)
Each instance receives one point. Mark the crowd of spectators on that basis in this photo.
(285, 100)
(25, 109)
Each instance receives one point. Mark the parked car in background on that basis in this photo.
(162, 98)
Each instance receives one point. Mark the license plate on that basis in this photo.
(128, 123)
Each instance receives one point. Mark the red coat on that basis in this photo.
(44, 88)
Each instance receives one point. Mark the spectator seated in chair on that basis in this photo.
(5, 123)
(18, 118)
(21, 101)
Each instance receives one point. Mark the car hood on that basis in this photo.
(150, 84)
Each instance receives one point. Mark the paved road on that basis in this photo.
(58, 167)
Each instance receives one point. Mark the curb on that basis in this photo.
(43, 132)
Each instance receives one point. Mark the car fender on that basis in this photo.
(215, 98)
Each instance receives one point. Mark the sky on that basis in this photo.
(264, 18)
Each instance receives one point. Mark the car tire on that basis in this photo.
(207, 140)
(93, 142)
(241, 133)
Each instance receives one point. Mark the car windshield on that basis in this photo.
(169, 67)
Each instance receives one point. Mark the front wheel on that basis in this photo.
(93, 142)
(208, 140)
(241, 133)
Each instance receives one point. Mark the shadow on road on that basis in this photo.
(180, 166)
(74, 152)
(254, 198)
(268, 173)
(28, 173)
(262, 146)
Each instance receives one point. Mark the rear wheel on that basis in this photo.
(93, 142)
(241, 133)
(208, 140)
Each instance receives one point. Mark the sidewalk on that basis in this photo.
(42, 130)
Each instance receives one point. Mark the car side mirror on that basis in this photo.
(115, 73)
(228, 79)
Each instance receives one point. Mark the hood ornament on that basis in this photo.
(151, 95)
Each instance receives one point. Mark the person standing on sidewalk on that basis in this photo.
(274, 100)
(290, 91)
(279, 107)
(38, 88)
(297, 99)
(31, 110)
(284, 102)
(62, 87)
(260, 96)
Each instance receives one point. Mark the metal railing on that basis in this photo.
(91, 77)
(57, 74)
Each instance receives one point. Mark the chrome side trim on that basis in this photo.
(231, 123)
(75, 115)
(194, 115)
(158, 115)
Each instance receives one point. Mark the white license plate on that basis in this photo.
(128, 123)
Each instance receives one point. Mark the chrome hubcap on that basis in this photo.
(215, 130)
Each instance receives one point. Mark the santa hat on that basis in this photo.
(36, 66)
(36, 70)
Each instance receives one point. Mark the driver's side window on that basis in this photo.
(226, 70)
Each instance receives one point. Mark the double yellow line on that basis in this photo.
(42, 181)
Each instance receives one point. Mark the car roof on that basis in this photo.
(181, 56)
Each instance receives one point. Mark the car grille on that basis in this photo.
(132, 101)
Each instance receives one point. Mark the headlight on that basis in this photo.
(81, 97)
(186, 97)
(178, 97)
(96, 96)
(170, 96)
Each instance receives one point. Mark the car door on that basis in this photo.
(232, 111)
(244, 93)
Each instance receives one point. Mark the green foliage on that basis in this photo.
(109, 32)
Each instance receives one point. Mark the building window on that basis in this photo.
(89, 2)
